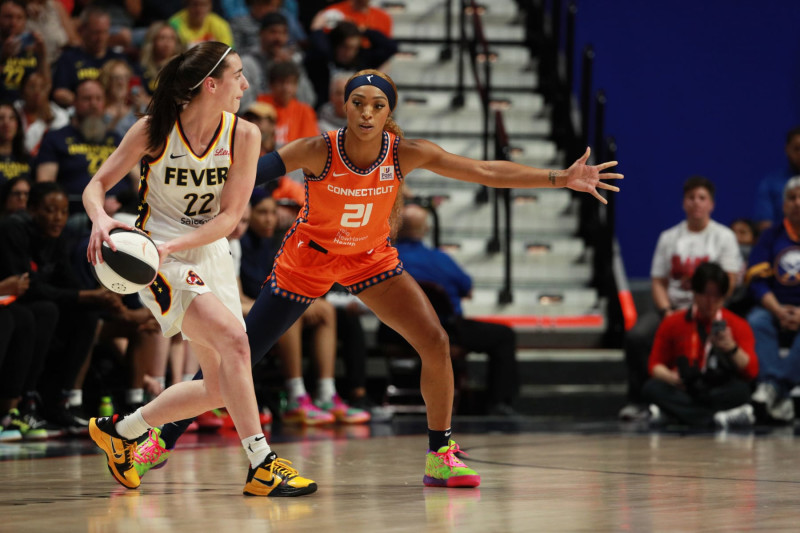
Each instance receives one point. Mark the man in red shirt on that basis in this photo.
(703, 359)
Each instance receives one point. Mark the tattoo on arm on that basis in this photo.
(552, 177)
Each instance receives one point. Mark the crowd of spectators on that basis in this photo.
(690, 360)
(76, 75)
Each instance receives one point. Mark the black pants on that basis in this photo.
(697, 410)
(499, 342)
(353, 351)
(29, 335)
(638, 344)
(71, 345)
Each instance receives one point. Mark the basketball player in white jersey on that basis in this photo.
(198, 168)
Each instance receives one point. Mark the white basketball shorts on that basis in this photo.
(186, 274)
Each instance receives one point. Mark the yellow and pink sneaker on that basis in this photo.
(344, 413)
(444, 469)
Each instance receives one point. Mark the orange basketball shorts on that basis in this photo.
(304, 270)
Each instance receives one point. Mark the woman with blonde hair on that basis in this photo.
(122, 108)
(160, 45)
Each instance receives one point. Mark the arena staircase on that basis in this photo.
(559, 318)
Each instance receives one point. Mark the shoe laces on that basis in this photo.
(449, 455)
(150, 450)
(281, 466)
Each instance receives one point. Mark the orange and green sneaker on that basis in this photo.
(119, 450)
(444, 469)
(151, 453)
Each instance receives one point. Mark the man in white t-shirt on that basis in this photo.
(679, 251)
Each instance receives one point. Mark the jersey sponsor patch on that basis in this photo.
(387, 173)
(194, 279)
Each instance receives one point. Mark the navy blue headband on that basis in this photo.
(375, 81)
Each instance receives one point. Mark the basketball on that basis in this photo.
(132, 267)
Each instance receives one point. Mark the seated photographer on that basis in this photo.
(703, 359)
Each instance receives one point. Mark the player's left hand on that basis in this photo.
(586, 178)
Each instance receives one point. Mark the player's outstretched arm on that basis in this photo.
(418, 153)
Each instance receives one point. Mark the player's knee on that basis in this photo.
(238, 350)
(437, 342)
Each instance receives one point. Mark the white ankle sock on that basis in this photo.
(134, 396)
(326, 388)
(257, 449)
(133, 425)
(75, 397)
(295, 388)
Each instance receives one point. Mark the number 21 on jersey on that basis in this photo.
(356, 215)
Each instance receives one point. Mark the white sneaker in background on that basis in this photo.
(765, 393)
(742, 416)
(656, 416)
(782, 410)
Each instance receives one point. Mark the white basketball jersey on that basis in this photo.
(180, 190)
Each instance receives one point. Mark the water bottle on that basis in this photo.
(106, 407)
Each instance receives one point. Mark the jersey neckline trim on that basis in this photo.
(354, 169)
(214, 138)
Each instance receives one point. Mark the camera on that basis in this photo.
(718, 326)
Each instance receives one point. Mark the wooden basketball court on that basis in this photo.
(570, 478)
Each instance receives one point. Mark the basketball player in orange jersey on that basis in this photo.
(341, 234)
(198, 165)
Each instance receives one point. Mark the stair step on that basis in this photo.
(529, 102)
(500, 53)
(431, 72)
(429, 121)
(409, 30)
(474, 249)
(495, 12)
(484, 301)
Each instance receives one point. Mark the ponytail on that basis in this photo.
(178, 83)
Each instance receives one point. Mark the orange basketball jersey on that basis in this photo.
(347, 209)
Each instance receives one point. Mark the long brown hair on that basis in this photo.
(174, 86)
(390, 126)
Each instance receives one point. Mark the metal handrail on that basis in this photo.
(502, 152)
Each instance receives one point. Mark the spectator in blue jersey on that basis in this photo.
(21, 51)
(496, 340)
(14, 161)
(80, 63)
(73, 154)
(770, 194)
(774, 276)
